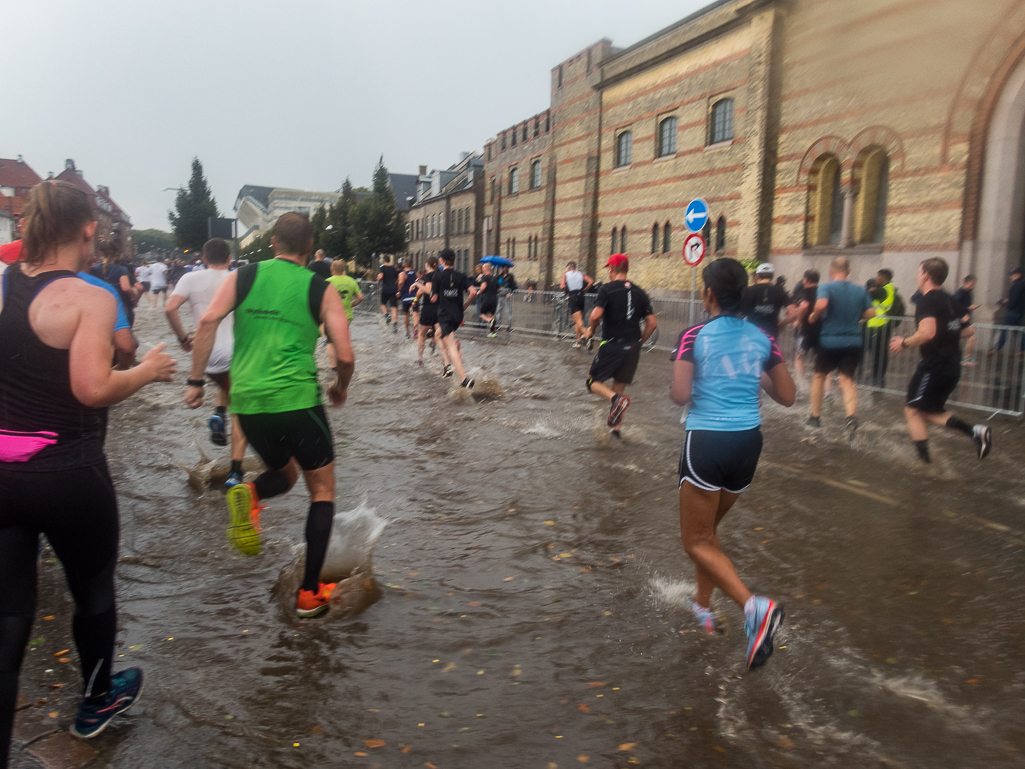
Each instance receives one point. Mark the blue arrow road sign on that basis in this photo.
(697, 215)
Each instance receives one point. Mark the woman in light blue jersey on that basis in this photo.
(718, 367)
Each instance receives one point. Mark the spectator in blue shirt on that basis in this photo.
(124, 342)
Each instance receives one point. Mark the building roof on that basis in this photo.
(17, 173)
(74, 176)
(403, 186)
(260, 194)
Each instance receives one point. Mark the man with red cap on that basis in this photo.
(620, 307)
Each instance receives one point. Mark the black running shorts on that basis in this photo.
(407, 306)
(388, 298)
(428, 316)
(278, 438)
(575, 302)
(617, 361)
(488, 305)
(842, 359)
(720, 461)
(145, 286)
(929, 389)
(449, 325)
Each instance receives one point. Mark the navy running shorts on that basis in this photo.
(617, 361)
(720, 461)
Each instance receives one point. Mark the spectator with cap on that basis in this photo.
(761, 303)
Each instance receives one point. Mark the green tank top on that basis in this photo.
(273, 367)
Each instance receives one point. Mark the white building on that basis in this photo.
(6, 228)
(258, 208)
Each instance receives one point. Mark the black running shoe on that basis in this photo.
(850, 427)
(447, 371)
(125, 688)
(814, 422)
(468, 383)
(982, 437)
(620, 403)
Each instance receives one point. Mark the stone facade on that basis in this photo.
(446, 212)
(884, 130)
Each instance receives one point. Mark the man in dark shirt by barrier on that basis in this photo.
(966, 306)
(388, 278)
(938, 333)
(620, 307)
(447, 289)
(1014, 314)
(761, 303)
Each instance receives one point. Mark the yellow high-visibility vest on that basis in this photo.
(883, 307)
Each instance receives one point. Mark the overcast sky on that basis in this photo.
(295, 94)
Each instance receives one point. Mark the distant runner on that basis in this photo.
(762, 302)
(447, 289)
(620, 307)
(718, 368)
(143, 275)
(938, 319)
(350, 294)
(489, 298)
(576, 284)
(158, 281)
(406, 293)
(199, 289)
(388, 281)
(428, 318)
(279, 306)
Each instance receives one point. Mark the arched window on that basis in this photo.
(654, 238)
(825, 204)
(624, 149)
(720, 234)
(721, 128)
(667, 236)
(872, 176)
(667, 137)
(614, 233)
(622, 240)
(514, 181)
(535, 174)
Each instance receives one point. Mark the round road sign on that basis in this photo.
(694, 249)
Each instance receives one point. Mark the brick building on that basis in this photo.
(113, 223)
(885, 130)
(16, 179)
(446, 212)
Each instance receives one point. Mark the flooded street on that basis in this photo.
(531, 577)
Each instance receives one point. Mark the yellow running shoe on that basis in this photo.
(310, 604)
(244, 511)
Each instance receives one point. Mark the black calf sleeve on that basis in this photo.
(961, 425)
(923, 450)
(318, 534)
(271, 484)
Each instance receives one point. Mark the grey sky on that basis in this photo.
(300, 93)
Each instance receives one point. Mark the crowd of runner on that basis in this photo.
(67, 353)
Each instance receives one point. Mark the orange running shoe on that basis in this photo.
(244, 525)
(310, 604)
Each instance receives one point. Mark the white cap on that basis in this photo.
(765, 269)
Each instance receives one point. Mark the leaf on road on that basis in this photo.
(583, 759)
(785, 742)
(475, 603)
(583, 708)
(597, 683)
(62, 652)
(374, 743)
(448, 666)
(628, 746)
(317, 730)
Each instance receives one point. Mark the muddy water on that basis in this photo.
(531, 576)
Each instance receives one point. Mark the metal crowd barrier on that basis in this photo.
(992, 376)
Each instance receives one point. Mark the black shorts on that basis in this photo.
(575, 302)
(929, 389)
(278, 438)
(720, 461)
(407, 306)
(160, 290)
(428, 317)
(616, 360)
(389, 299)
(842, 359)
(809, 342)
(449, 325)
(488, 305)
(145, 286)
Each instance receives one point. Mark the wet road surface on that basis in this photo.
(532, 577)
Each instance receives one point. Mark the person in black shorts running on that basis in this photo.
(938, 320)
(56, 382)
(489, 297)
(388, 278)
(576, 284)
(447, 289)
(406, 294)
(620, 307)
(428, 318)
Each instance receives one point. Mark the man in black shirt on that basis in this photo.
(620, 307)
(488, 288)
(762, 302)
(801, 304)
(320, 265)
(965, 305)
(938, 333)
(1015, 308)
(388, 277)
(447, 289)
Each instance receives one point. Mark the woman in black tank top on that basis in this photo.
(56, 345)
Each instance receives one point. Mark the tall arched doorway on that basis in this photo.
(1000, 244)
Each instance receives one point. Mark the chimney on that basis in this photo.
(423, 170)
(69, 164)
(21, 159)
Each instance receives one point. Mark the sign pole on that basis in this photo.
(693, 288)
(694, 248)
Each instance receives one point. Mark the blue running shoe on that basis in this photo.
(234, 479)
(705, 616)
(125, 689)
(761, 627)
(218, 435)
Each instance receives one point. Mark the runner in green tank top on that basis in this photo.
(278, 306)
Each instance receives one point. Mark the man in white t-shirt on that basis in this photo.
(198, 288)
(575, 284)
(158, 281)
(143, 276)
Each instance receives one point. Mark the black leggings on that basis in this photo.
(77, 511)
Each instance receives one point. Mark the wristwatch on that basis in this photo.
(196, 382)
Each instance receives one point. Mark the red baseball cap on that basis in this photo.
(10, 252)
(618, 260)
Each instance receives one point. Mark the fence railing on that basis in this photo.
(992, 373)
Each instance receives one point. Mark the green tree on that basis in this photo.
(336, 240)
(193, 206)
(259, 249)
(153, 240)
(376, 224)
